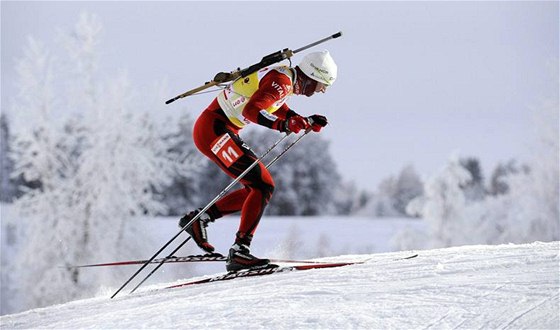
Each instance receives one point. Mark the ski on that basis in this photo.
(173, 259)
(261, 272)
(409, 257)
(276, 269)
(214, 257)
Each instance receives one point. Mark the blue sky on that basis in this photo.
(418, 81)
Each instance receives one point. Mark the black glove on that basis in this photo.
(317, 122)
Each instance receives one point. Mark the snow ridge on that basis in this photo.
(506, 286)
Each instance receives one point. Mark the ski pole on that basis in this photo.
(220, 195)
(275, 159)
(276, 57)
(160, 264)
(186, 226)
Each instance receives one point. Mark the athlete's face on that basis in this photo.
(309, 87)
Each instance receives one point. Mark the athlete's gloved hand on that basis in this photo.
(317, 122)
(294, 124)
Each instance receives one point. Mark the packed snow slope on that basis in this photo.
(497, 287)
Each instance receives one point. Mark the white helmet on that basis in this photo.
(319, 66)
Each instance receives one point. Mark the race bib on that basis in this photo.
(226, 150)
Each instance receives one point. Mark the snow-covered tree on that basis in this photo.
(523, 209)
(530, 209)
(40, 159)
(348, 199)
(9, 234)
(8, 188)
(393, 195)
(498, 180)
(185, 192)
(474, 188)
(97, 170)
(211, 181)
(443, 205)
(122, 162)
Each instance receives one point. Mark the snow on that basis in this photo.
(505, 286)
(277, 237)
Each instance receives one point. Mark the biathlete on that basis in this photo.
(259, 98)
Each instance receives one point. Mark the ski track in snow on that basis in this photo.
(471, 287)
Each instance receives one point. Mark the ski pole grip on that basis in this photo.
(310, 121)
(310, 128)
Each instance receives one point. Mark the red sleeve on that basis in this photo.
(273, 87)
(284, 112)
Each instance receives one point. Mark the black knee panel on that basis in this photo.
(266, 189)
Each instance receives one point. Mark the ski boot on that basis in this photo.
(240, 258)
(197, 229)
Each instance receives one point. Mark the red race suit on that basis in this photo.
(258, 98)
